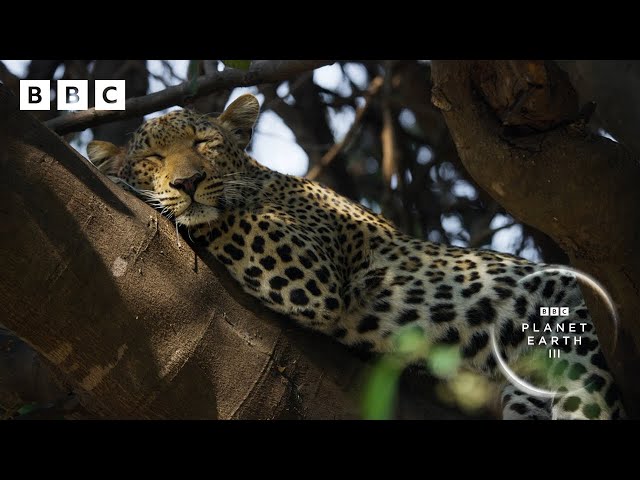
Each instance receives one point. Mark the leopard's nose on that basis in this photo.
(188, 185)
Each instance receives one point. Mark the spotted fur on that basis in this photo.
(340, 269)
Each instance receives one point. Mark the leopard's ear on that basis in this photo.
(240, 117)
(106, 156)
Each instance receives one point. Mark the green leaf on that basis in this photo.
(380, 390)
(444, 361)
(239, 64)
(410, 341)
(27, 408)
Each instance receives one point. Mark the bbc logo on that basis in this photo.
(554, 311)
(72, 95)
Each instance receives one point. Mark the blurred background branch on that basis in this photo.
(182, 94)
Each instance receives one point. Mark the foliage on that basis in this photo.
(468, 391)
(239, 64)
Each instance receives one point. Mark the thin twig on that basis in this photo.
(168, 67)
(159, 78)
(391, 159)
(388, 134)
(266, 71)
(292, 88)
(327, 158)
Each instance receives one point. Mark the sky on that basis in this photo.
(274, 143)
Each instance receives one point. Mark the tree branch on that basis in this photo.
(550, 173)
(260, 72)
(618, 109)
(480, 238)
(139, 326)
(388, 134)
(333, 152)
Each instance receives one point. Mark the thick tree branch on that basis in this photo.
(512, 126)
(260, 72)
(138, 326)
(618, 109)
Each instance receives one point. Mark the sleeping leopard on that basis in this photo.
(335, 267)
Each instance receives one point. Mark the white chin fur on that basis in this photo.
(198, 214)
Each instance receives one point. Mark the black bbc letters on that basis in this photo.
(104, 94)
(34, 95)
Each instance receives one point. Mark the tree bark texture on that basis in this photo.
(135, 322)
(520, 134)
(614, 86)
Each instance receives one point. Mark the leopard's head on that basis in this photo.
(183, 162)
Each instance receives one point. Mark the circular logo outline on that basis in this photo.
(591, 282)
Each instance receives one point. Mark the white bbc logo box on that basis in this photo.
(554, 311)
(72, 94)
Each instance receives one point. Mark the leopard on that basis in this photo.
(334, 266)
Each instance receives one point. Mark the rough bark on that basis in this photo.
(413, 84)
(24, 377)
(519, 134)
(137, 324)
(614, 85)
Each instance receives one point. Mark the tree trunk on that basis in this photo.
(614, 85)
(519, 134)
(135, 322)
